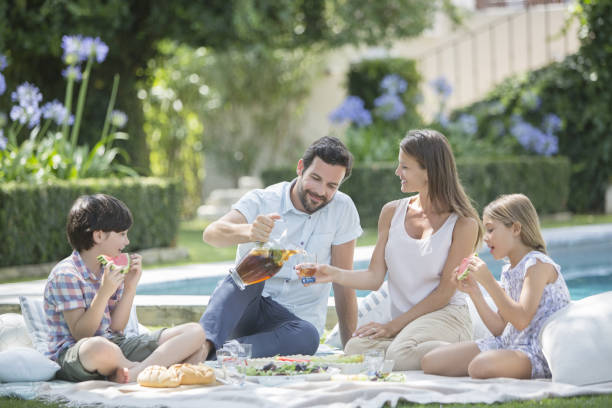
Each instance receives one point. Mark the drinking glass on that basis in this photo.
(373, 361)
(306, 268)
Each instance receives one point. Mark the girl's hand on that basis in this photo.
(478, 270)
(375, 330)
(133, 276)
(467, 285)
(111, 280)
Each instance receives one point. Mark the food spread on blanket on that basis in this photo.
(285, 369)
(121, 262)
(178, 374)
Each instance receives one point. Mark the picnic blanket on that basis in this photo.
(419, 388)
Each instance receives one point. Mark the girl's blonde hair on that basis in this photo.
(511, 208)
(433, 153)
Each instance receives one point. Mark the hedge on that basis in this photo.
(33, 217)
(544, 180)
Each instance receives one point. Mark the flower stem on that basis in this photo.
(68, 103)
(111, 105)
(81, 103)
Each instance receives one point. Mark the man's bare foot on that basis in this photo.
(121, 376)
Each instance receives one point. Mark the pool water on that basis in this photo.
(587, 269)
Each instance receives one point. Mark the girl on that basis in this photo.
(532, 288)
(420, 241)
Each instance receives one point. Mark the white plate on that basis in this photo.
(273, 380)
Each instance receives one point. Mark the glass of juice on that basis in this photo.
(306, 268)
(259, 264)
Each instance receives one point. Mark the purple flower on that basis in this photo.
(533, 139)
(23, 115)
(468, 124)
(3, 140)
(56, 111)
(442, 87)
(3, 62)
(27, 95)
(352, 109)
(93, 47)
(389, 106)
(72, 72)
(118, 119)
(71, 44)
(393, 84)
(2, 84)
(551, 123)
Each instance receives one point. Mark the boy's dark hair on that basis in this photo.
(332, 151)
(98, 212)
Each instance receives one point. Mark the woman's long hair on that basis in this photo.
(433, 153)
(511, 208)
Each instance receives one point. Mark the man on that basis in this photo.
(280, 315)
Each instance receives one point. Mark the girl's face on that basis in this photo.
(411, 174)
(500, 238)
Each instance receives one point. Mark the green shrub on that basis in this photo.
(544, 180)
(33, 217)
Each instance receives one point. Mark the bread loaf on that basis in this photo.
(194, 374)
(159, 377)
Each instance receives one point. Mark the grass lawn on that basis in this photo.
(595, 401)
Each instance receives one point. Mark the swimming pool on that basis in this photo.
(586, 266)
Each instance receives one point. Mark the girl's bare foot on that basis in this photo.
(121, 376)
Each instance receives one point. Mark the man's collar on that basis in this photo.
(286, 203)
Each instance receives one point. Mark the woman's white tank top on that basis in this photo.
(415, 265)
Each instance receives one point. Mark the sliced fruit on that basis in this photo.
(121, 262)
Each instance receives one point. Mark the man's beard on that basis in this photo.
(308, 206)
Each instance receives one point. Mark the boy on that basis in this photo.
(88, 306)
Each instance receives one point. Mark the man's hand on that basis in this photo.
(375, 330)
(133, 276)
(262, 227)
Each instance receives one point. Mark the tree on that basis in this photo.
(31, 32)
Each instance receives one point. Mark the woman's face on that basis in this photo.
(411, 174)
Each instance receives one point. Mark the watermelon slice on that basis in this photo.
(463, 269)
(121, 263)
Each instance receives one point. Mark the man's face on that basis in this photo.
(316, 185)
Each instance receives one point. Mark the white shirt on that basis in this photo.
(334, 224)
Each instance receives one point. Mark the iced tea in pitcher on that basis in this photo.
(260, 264)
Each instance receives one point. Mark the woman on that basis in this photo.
(421, 239)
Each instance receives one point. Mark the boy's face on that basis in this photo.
(111, 243)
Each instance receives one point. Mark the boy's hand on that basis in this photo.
(133, 276)
(262, 227)
(111, 280)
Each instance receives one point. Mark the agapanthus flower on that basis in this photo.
(394, 84)
(441, 87)
(72, 72)
(23, 115)
(118, 119)
(533, 139)
(551, 123)
(352, 109)
(57, 112)
(389, 106)
(71, 44)
(27, 95)
(468, 124)
(3, 140)
(2, 84)
(93, 47)
(3, 62)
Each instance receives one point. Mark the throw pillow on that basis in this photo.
(25, 364)
(13, 332)
(375, 307)
(576, 341)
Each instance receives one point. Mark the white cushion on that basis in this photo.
(375, 307)
(33, 313)
(25, 364)
(479, 329)
(576, 341)
(13, 332)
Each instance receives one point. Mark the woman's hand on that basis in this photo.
(133, 276)
(375, 330)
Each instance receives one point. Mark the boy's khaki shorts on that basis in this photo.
(135, 348)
